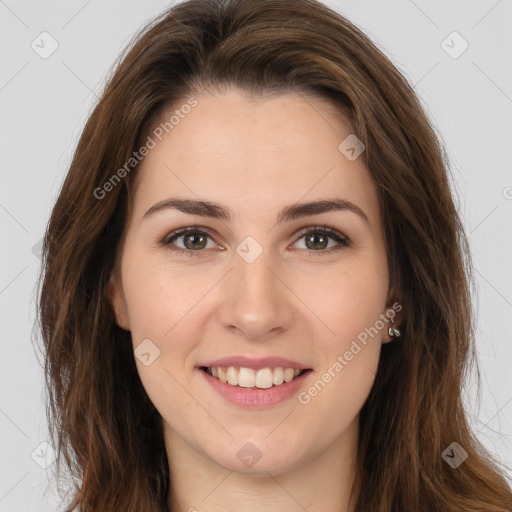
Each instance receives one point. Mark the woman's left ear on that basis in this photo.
(118, 303)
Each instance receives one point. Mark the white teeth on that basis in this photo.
(278, 376)
(263, 378)
(288, 374)
(232, 376)
(246, 378)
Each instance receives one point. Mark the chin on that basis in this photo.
(273, 464)
(255, 456)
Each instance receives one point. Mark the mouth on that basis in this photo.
(262, 378)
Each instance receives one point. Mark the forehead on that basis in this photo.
(252, 154)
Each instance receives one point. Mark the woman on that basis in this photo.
(245, 302)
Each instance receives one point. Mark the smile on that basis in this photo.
(243, 391)
(262, 378)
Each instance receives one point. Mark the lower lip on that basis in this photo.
(255, 397)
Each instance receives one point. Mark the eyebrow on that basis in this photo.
(292, 212)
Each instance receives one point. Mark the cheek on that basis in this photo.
(349, 303)
(158, 297)
(333, 401)
(160, 304)
(347, 299)
(350, 356)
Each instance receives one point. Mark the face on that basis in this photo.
(248, 282)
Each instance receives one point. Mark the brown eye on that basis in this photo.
(317, 239)
(194, 241)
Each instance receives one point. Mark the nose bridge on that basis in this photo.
(255, 279)
(255, 300)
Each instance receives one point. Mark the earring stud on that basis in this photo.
(393, 333)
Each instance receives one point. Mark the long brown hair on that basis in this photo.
(102, 423)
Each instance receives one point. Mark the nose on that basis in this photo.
(256, 299)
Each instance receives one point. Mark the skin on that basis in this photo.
(294, 300)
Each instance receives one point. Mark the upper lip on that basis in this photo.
(255, 363)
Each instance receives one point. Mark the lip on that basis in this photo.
(255, 363)
(254, 398)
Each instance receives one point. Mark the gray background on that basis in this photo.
(44, 104)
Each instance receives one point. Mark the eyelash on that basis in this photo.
(342, 240)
